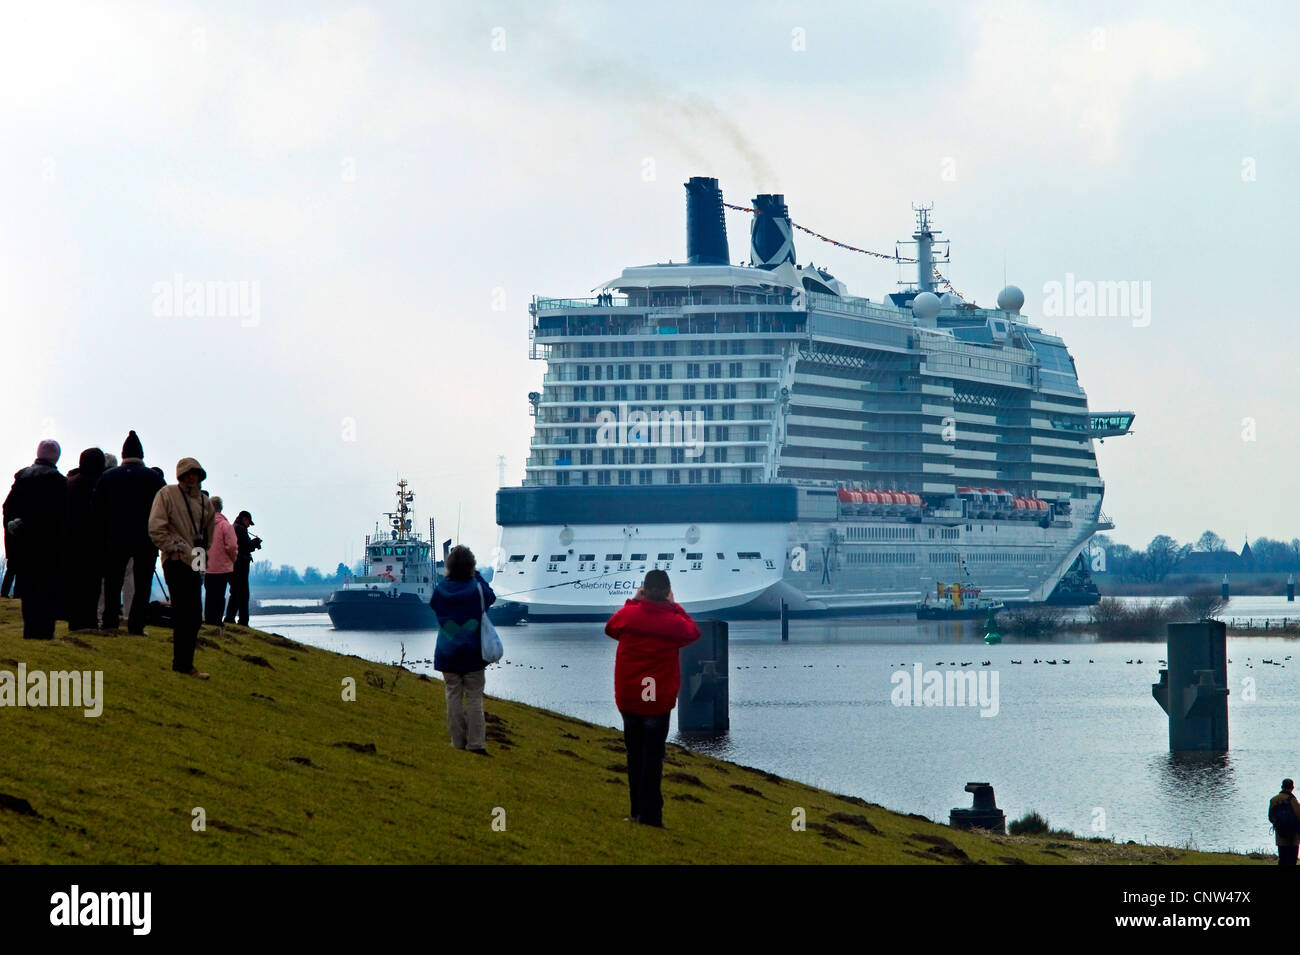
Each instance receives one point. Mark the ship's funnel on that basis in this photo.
(771, 237)
(706, 229)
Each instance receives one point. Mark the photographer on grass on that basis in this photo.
(180, 526)
(237, 607)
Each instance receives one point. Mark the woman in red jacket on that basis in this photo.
(650, 629)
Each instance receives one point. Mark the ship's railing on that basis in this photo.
(560, 304)
(776, 323)
(858, 306)
(889, 333)
(664, 301)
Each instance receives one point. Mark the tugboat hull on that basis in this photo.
(377, 610)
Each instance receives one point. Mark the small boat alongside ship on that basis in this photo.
(958, 601)
(401, 573)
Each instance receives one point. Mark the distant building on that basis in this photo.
(1218, 562)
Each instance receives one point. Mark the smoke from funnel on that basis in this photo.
(771, 237)
(706, 227)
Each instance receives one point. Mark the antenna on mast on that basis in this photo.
(924, 240)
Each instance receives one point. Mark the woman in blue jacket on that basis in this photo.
(456, 601)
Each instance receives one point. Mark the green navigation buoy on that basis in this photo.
(991, 636)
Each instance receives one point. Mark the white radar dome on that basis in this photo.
(1011, 299)
(926, 306)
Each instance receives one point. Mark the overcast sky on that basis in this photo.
(390, 184)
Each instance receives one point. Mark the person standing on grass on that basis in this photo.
(650, 629)
(83, 544)
(180, 526)
(237, 607)
(34, 513)
(122, 501)
(1284, 814)
(221, 565)
(460, 600)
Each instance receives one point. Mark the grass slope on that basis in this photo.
(287, 771)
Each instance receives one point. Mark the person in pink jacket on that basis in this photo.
(221, 565)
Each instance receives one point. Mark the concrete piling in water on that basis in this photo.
(984, 814)
(1290, 589)
(785, 623)
(1193, 689)
(703, 704)
(1223, 588)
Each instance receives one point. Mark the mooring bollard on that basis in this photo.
(1193, 690)
(984, 814)
(702, 701)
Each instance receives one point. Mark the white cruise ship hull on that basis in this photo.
(749, 569)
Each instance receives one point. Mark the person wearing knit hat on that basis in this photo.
(180, 526)
(34, 514)
(131, 447)
(121, 504)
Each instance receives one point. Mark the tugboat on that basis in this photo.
(395, 593)
(958, 601)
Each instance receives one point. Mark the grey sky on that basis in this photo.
(383, 177)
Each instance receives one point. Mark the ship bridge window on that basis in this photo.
(638, 556)
(586, 557)
(694, 556)
(664, 556)
(613, 556)
(750, 555)
(534, 560)
(401, 551)
(516, 558)
(721, 556)
(558, 557)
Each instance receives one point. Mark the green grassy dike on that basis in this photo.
(286, 771)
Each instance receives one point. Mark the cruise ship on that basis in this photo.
(769, 439)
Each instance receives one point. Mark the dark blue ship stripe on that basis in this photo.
(649, 504)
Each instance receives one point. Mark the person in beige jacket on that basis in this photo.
(180, 526)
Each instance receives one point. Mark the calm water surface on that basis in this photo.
(1083, 743)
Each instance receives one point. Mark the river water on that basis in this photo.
(1083, 743)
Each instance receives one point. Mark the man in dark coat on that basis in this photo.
(122, 502)
(34, 513)
(237, 606)
(83, 545)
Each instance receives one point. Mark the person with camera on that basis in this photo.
(650, 629)
(237, 606)
(460, 600)
(180, 526)
(34, 513)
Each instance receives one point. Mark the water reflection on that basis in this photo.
(1196, 776)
